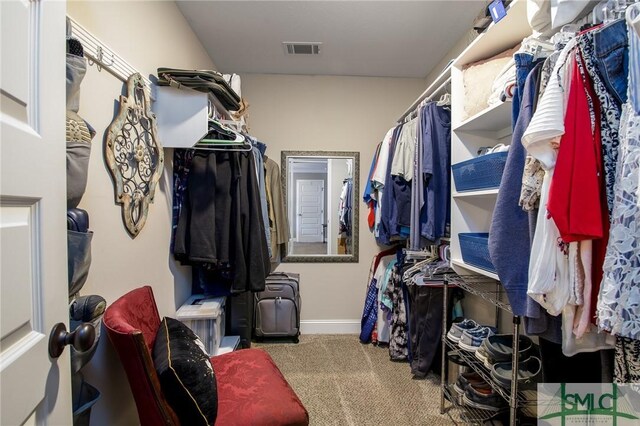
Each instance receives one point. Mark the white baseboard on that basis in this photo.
(330, 326)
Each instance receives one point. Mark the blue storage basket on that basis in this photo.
(475, 250)
(483, 172)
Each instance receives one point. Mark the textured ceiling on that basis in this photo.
(362, 38)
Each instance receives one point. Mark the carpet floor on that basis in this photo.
(342, 382)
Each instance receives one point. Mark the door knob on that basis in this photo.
(81, 338)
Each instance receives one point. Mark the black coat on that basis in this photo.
(220, 224)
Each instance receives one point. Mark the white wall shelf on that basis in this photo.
(183, 115)
(498, 37)
(482, 193)
(494, 118)
(460, 264)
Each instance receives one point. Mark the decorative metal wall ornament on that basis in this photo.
(134, 154)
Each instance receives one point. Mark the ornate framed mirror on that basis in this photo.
(322, 199)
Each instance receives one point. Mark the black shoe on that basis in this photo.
(499, 348)
(467, 379)
(484, 399)
(529, 373)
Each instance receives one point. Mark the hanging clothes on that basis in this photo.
(435, 211)
(378, 181)
(425, 290)
(388, 228)
(278, 221)
(371, 310)
(385, 304)
(401, 177)
(618, 305)
(509, 243)
(182, 159)
(345, 210)
(220, 224)
(369, 195)
(398, 339)
(258, 156)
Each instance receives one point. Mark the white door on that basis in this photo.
(310, 211)
(34, 389)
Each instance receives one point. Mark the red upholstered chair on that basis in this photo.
(251, 389)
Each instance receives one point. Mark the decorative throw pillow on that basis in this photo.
(186, 374)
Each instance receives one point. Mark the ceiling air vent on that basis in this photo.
(294, 48)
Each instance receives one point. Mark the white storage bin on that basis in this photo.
(205, 316)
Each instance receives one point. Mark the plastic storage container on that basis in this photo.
(205, 316)
(484, 172)
(475, 250)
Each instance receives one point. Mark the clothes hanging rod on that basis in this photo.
(435, 87)
(101, 55)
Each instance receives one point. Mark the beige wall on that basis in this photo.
(287, 112)
(147, 35)
(290, 112)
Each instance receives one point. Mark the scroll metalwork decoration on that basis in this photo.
(134, 154)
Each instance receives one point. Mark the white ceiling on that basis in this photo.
(362, 38)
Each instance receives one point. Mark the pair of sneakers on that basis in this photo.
(469, 335)
(475, 392)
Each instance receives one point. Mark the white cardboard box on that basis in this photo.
(205, 316)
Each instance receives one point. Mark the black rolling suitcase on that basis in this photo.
(277, 308)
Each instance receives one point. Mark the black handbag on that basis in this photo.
(78, 248)
(77, 220)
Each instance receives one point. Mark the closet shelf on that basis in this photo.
(487, 193)
(488, 289)
(460, 413)
(484, 273)
(494, 119)
(476, 365)
(499, 36)
(183, 115)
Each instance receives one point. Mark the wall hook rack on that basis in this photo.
(101, 55)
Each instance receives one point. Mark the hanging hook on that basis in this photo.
(100, 59)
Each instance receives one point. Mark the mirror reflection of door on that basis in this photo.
(310, 211)
(308, 206)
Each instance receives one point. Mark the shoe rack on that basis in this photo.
(490, 291)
